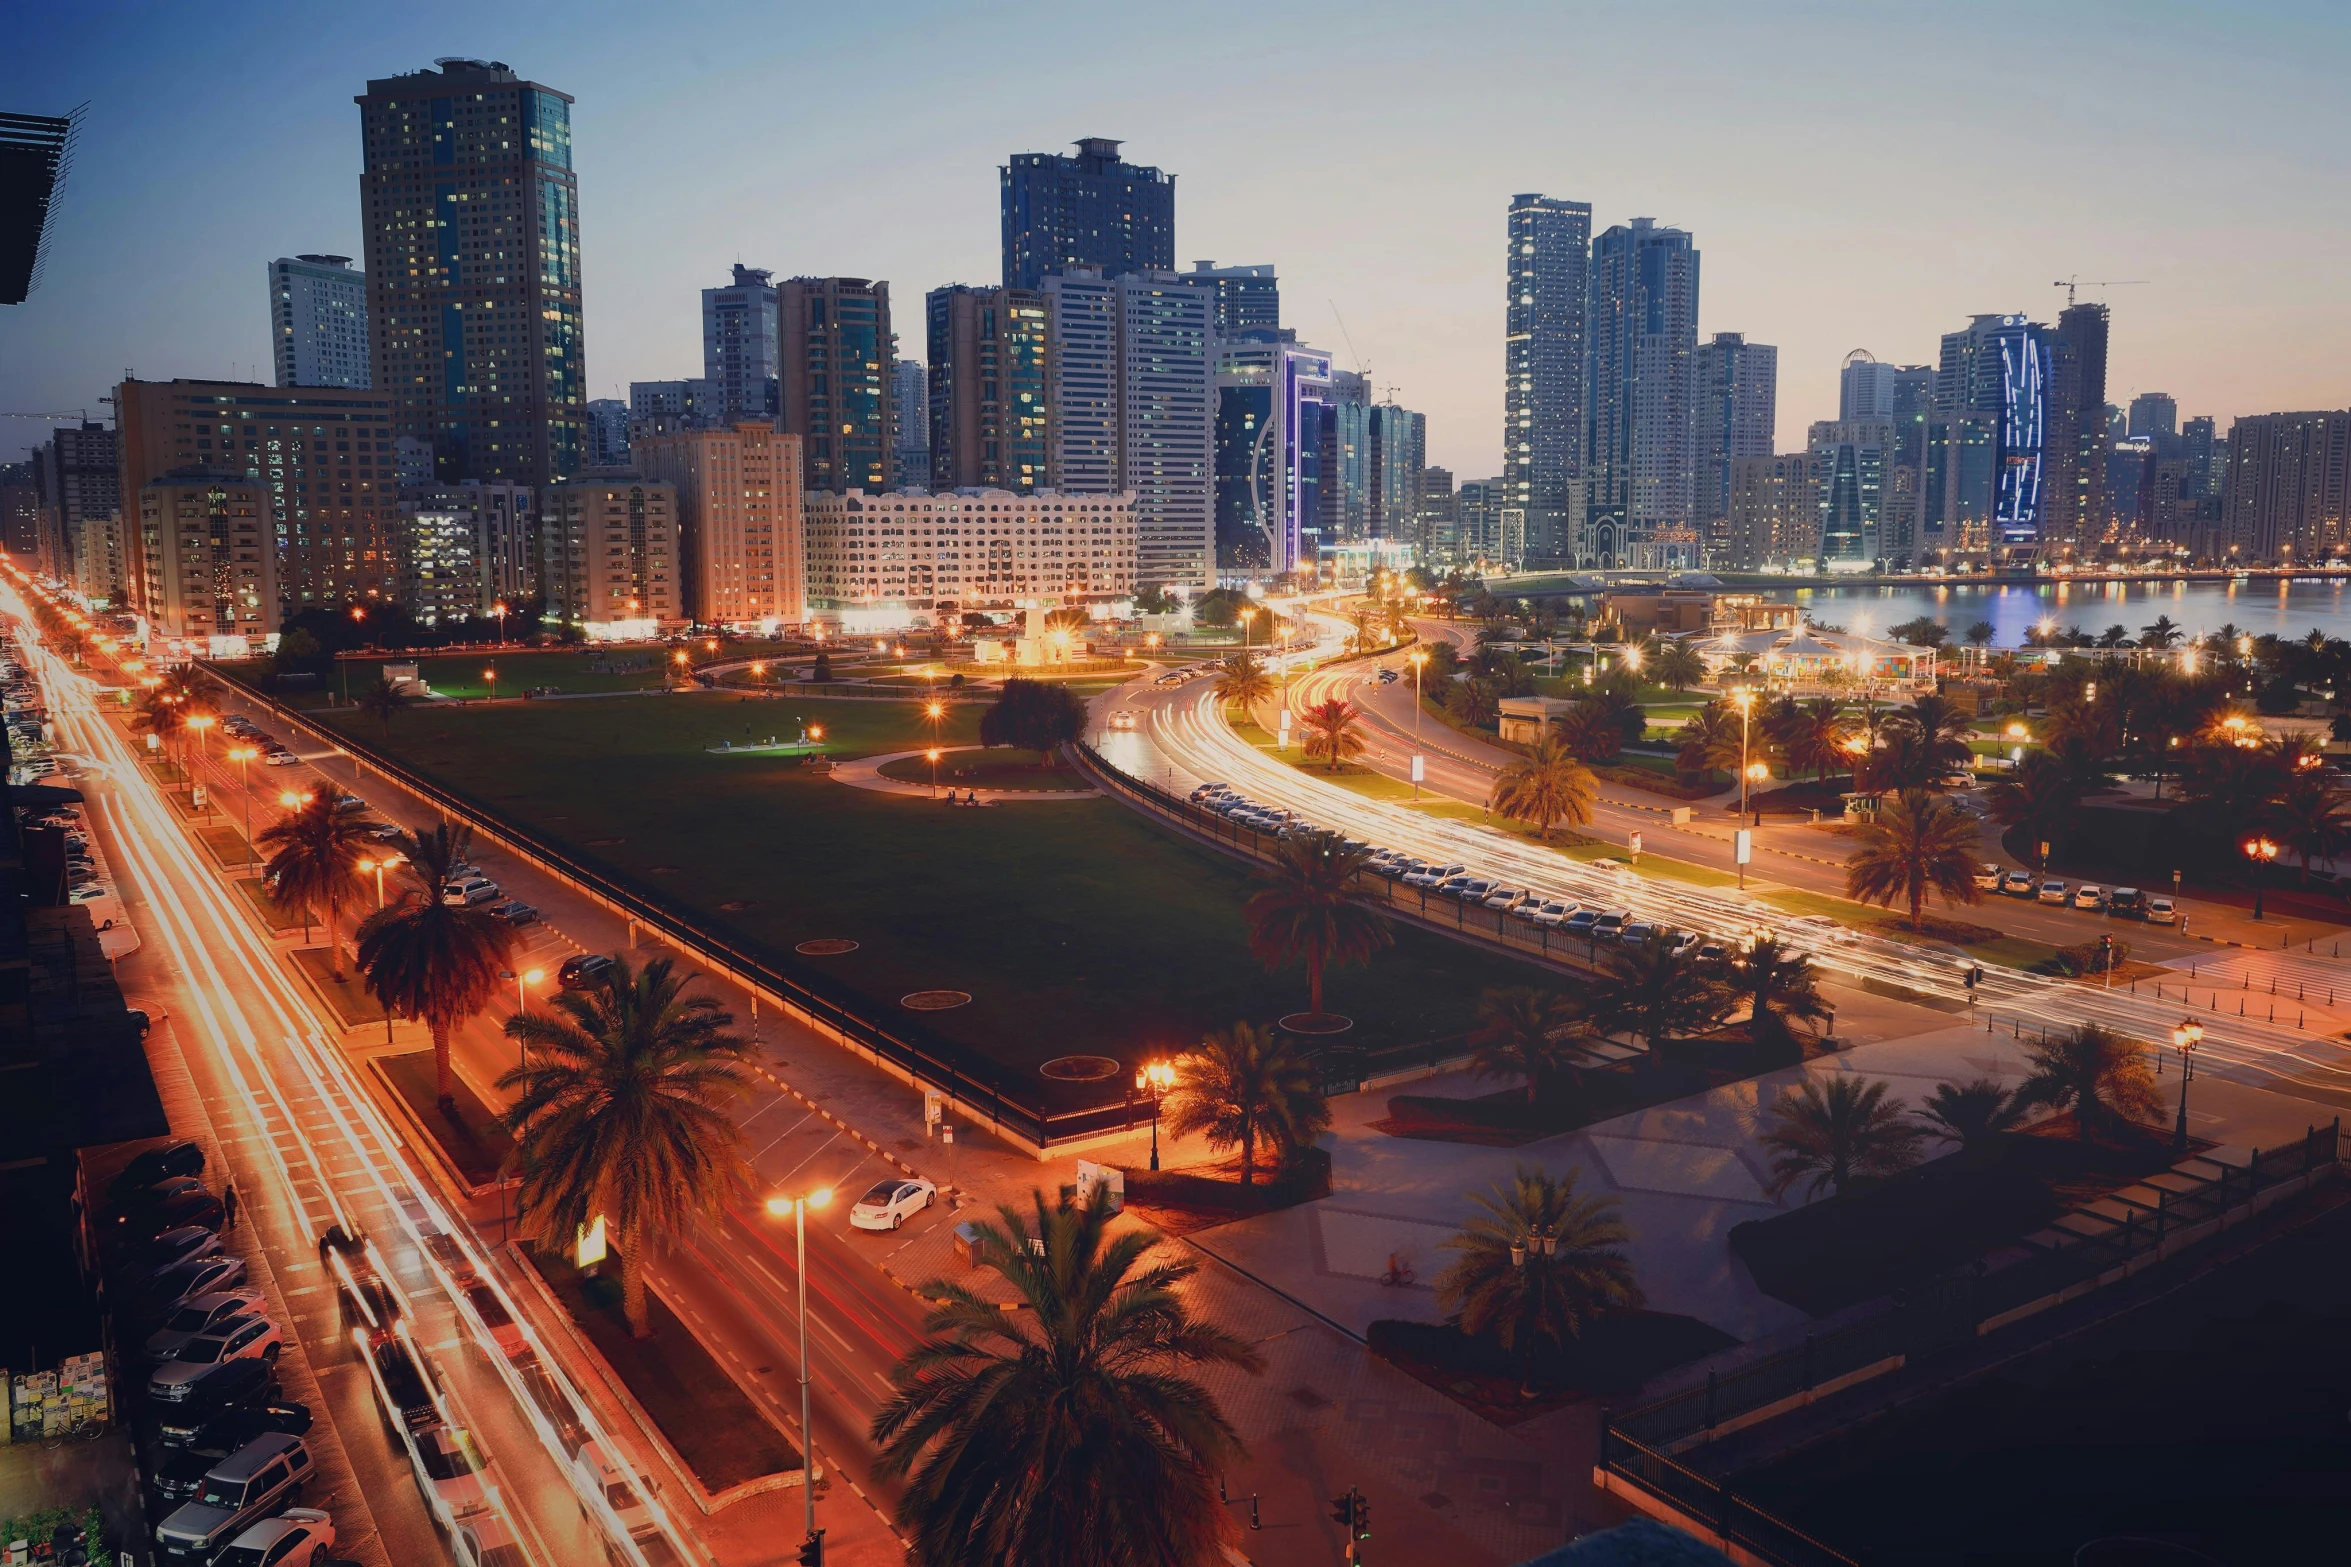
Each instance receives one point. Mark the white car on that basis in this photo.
(889, 1203)
(1987, 877)
(594, 1472)
(2161, 910)
(449, 1471)
(2053, 891)
(487, 1542)
(1554, 913)
(297, 1537)
(1122, 720)
(279, 758)
(2089, 895)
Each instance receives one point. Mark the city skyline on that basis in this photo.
(1396, 255)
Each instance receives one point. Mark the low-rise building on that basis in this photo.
(610, 544)
(739, 521)
(208, 557)
(880, 560)
(468, 548)
(1524, 718)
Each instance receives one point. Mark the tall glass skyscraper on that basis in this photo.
(318, 321)
(1738, 405)
(1091, 210)
(1271, 401)
(1640, 477)
(470, 215)
(1543, 377)
(1992, 395)
(838, 390)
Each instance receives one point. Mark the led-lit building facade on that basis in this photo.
(1271, 399)
(1992, 397)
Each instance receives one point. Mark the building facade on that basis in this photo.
(77, 473)
(660, 407)
(1092, 210)
(21, 530)
(318, 321)
(1397, 456)
(1852, 467)
(2156, 416)
(989, 389)
(741, 345)
(881, 561)
(738, 510)
(1737, 416)
(470, 548)
(1544, 373)
(608, 433)
(1992, 394)
(441, 569)
(2289, 486)
(207, 562)
(2073, 487)
(1272, 397)
(839, 393)
(323, 456)
(1248, 299)
(471, 217)
(1641, 463)
(1775, 512)
(910, 412)
(610, 544)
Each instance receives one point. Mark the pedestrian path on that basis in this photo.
(866, 773)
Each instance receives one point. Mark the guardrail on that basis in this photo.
(970, 1081)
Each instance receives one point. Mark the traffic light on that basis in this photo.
(812, 1550)
(1363, 1517)
(1343, 1510)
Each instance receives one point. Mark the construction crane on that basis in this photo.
(2069, 284)
(82, 414)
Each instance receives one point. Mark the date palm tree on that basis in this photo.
(1850, 1128)
(1071, 1433)
(1648, 990)
(1710, 741)
(1539, 1266)
(1981, 633)
(2161, 633)
(1590, 732)
(1247, 1083)
(1972, 1113)
(621, 1113)
(2313, 819)
(428, 959)
(1332, 732)
(1241, 681)
(1777, 986)
(2038, 797)
(313, 862)
(1547, 787)
(2102, 1077)
(1813, 737)
(1309, 910)
(1917, 844)
(1678, 665)
(384, 701)
(1527, 1033)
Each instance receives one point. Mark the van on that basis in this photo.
(2127, 903)
(249, 1485)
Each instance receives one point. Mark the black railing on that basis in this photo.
(1710, 1503)
(960, 1073)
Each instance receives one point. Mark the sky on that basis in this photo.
(1855, 175)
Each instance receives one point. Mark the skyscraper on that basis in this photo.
(1272, 397)
(471, 218)
(910, 412)
(1247, 298)
(2155, 416)
(206, 567)
(1865, 387)
(739, 345)
(2074, 486)
(1091, 210)
(838, 390)
(1992, 393)
(989, 389)
(1850, 467)
(611, 551)
(1399, 452)
(2289, 485)
(1738, 411)
(1544, 375)
(318, 321)
(1775, 512)
(1437, 528)
(79, 478)
(1346, 459)
(662, 407)
(608, 432)
(1640, 480)
(740, 558)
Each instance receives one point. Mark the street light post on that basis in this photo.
(2260, 851)
(1419, 660)
(1154, 1079)
(777, 1207)
(1746, 701)
(242, 756)
(491, 675)
(2185, 1038)
(521, 1001)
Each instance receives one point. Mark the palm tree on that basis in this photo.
(1942, 726)
(2313, 819)
(1331, 732)
(1539, 1267)
(1066, 1434)
(1981, 634)
(1310, 910)
(1549, 786)
(1916, 845)
(313, 862)
(1779, 990)
(2039, 797)
(1247, 1082)
(384, 701)
(621, 1113)
(1850, 1129)
(1242, 682)
(1590, 732)
(1710, 740)
(2161, 633)
(429, 959)
(1813, 738)
(1972, 1113)
(2101, 1077)
(1527, 1033)
(1678, 665)
(1648, 990)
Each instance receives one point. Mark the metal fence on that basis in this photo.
(1710, 1502)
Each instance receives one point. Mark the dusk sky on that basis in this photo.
(1854, 175)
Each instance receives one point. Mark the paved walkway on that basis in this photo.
(866, 773)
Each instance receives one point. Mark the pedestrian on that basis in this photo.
(228, 1207)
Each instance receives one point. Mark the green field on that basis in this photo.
(1076, 926)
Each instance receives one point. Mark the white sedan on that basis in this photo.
(888, 1204)
(297, 1537)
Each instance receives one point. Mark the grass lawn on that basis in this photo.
(227, 845)
(348, 1000)
(463, 675)
(273, 914)
(1613, 1354)
(981, 769)
(476, 1144)
(1076, 927)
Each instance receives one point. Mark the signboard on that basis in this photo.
(590, 1248)
(1634, 843)
(934, 1109)
(1091, 1175)
(1420, 769)
(1746, 847)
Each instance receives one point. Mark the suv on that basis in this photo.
(583, 971)
(248, 1337)
(242, 1489)
(181, 1475)
(297, 1537)
(232, 1384)
(471, 891)
(200, 1315)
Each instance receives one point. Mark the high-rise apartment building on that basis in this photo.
(471, 547)
(2289, 486)
(1436, 531)
(839, 392)
(664, 407)
(323, 456)
(1346, 460)
(608, 433)
(21, 533)
(78, 475)
(1775, 512)
(990, 389)
(2073, 488)
(440, 567)
(1865, 388)
(1641, 464)
(741, 346)
(2199, 449)
(2156, 416)
(1092, 210)
(471, 217)
(875, 561)
(1272, 397)
(318, 321)
(1248, 299)
(738, 511)
(1852, 464)
(910, 417)
(1493, 527)
(207, 564)
(1544, 372)
(610, 544)
(1134, 408)
(1737, 416)
(1992, 392)
(1398, 454)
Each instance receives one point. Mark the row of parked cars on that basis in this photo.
(243, 730)
(2126, 903)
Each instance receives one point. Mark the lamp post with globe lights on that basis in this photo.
(777, 1206)
(2185, 1039)
(1154, 1078)
(2259, 852)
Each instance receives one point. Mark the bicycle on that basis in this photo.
(85, 1428)
(1399, 1272)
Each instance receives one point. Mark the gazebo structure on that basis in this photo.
(1807, 657)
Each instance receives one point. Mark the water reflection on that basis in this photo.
(2289, 607)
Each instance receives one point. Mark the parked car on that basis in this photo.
(1553, 913)
(1684, 944)
(183, 1210)
(582, 971)
(2089, 895)
(297, 1537)
(156, 1164)
(2017, 884)
(485, 1541)
(1610, 926)
(1504, 899)
(2127, 903)
(1581, 922)
(1987, 877)
(281, 757)
(471, 892)
(181, 1244)
(247, 1337)
(236, 1384)
(241, 1490)
(159, 1292)
(226, 1430)
(200, 1315)
(2053, 891)
(515, 912)
(890, 1203)
(2161, 910)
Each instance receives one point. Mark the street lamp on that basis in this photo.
(379, 866)
(1154, 1079)
(241, 756)
(1745, 697)
(2185, 1039)
(2260, 851)
(1248, 622)
(535, 976)
(777, 1206)
(491, 675)
(933, 754)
